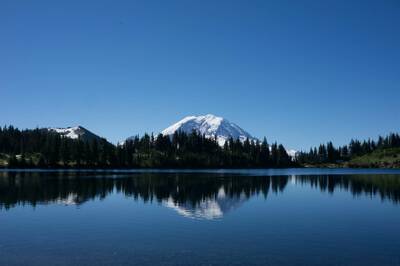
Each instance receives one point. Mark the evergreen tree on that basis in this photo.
(264, 154)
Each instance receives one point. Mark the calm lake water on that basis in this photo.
(223, 217)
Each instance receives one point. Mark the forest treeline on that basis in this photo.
(328, 153)
(43, 148)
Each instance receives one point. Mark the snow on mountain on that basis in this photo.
(292, 153)
(69, 132)
(211, 126)
(74, 132)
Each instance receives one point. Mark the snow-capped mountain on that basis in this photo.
(211, 126)
(292, 153)
(75, 132)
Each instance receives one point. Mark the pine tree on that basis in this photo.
(264, 153)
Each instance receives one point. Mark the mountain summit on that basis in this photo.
(211, 126)
(75, 132)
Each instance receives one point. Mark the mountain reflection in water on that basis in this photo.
(207, 208)
(200, 196)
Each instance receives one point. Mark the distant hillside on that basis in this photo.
(381, 158)
(381, 153)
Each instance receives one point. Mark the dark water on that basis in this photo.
(276, 217)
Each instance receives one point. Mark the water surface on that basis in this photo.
(208, 217)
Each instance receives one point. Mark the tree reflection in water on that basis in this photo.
(206, 196)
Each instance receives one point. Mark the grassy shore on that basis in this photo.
(382, 158)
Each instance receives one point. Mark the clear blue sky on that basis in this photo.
(299, 72)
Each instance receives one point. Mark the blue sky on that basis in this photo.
(299, 72)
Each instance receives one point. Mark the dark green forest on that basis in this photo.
(46, 149)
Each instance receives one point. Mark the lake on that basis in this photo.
(207, 217)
